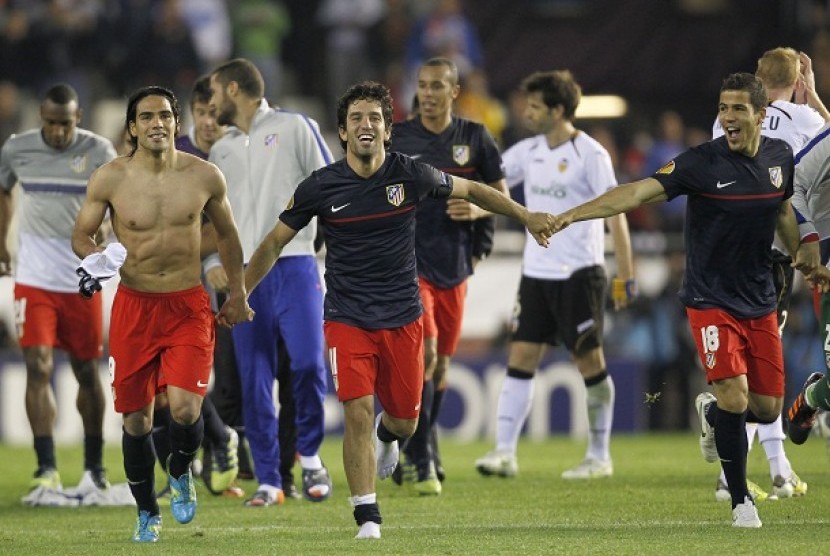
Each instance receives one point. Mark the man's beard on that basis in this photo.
(227, 115)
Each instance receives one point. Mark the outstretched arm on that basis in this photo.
(618, 200)
(488, 198)
(267, 253)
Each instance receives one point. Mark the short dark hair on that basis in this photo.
(438, 61)
(246, 75)
(750, 84)
(62, 93)
(557, 87)
(138, 96)
(201, 91)
(366, 90)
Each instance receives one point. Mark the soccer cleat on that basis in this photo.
(590, 468)
(369, 530)
(746, 515)
(147, 527)
(386, 453)
(46, 477)
(224, 464)
(316, 484)
(789, 487)
(290, 491)
(801, 416)
(263, 499)
(497, 463)
(707, 432)
(756, 492)
(405, 471)
(182, 496)
(426, 481)
(98, 476)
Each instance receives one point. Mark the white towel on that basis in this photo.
(105, 264)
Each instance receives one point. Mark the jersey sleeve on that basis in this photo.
(315, 152)
(600, 172)
(513, 160)
(684, 175)
(7, 175)
(491, 165)
(303, 206)
(430, 181)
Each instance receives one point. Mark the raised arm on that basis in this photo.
(486, 197)
(616, 201)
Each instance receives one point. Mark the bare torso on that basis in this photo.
(156, 215)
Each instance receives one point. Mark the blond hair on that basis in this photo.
(778, 68)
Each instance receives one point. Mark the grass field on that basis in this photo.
(660, 501)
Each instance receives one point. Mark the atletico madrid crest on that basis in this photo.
(461, 154)
(710, 360)
(395, 194)
(775, 176)
(78, 163)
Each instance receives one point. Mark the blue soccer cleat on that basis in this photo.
(182, 496)
(147, 527)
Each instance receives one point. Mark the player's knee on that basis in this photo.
(185, 414)
(38, 374)
(403, 428)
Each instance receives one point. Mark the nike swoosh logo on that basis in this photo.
(201, 384)
(341, 207)
(415, 156)
(722, 185)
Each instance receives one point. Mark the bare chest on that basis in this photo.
(157, 206)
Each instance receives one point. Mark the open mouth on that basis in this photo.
(365, 139)
(733, 133)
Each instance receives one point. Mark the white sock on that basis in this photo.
(600, 401)
(751, 429)
(513, 409)
(771, 437)
(361, 499)
(311, 462)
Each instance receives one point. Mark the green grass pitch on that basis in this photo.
(659, 501)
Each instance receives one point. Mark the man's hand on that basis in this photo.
(217, 278)
(539, 225)
(807, 258)
(623, 292)
(233, 311)
(5, 261)
(88, 284)
(462, 210)
(819, 279)
(561, 221)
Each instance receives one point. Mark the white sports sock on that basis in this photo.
(600, 402)
(751, 429)
(311, 462)
(771, 437)
(514, 407)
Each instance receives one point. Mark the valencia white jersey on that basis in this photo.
(53, 186)
(794, 123)
(263, 168)
(554, 180)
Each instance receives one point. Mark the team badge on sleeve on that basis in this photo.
(667, 168)
(775, 176)
(461, 154)
(395, 194)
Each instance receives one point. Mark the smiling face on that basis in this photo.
(59, 122)
(365, 131)
(741, 122)
(155, 124)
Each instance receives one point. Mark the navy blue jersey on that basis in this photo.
(731, 214)
(185, 143)
(444, 248)
(369, 226)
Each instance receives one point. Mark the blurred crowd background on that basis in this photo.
(665, 58)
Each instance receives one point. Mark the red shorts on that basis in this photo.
(156, 340)
(389, 362)
(443, 312)
(730, 347)
(63, 320)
